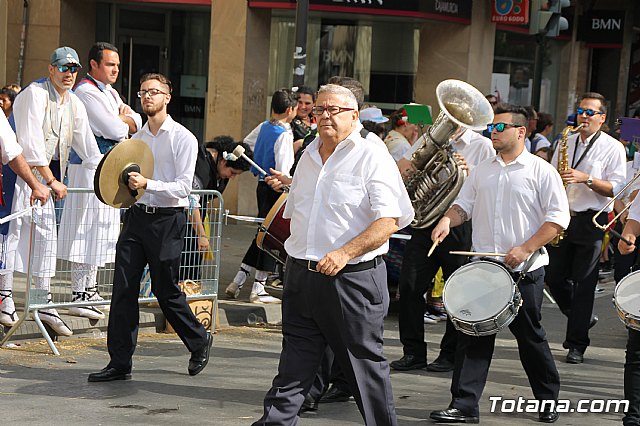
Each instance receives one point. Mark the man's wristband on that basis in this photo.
(53, 179)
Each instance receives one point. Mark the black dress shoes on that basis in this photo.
(594, 321)
(548, 416)
(335, 394)
(200, 358)
(409, 362)
(440, 365)
(109, 374)
(309, 404)
(453, 415)
(575, 357)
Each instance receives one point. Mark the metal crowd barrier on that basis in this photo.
(203, 268)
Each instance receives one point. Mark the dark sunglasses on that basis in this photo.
(66, 68)
(589, 112)
(500, 126)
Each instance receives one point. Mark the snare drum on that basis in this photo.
(626, 297)
(481, 298)
(274, 231)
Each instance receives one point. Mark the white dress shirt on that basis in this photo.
(474, 147)
(605, 160)
(283, 150)
(29, 110)
(397, 144)
(8, 142)
(508, 203)
(542, 142)
(103, 108)
(634, 212)
(252, 137)
(331, 204)
(174, 150)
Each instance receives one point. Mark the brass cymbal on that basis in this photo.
(110, 182)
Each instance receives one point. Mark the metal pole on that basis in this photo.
(300, 53)
(537, 72)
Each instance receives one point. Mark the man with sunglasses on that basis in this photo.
(597, 171)
(517, 205)
(153, 231)
(50, 121)
(346, 199)
(93, 244)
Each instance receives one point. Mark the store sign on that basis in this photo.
(512, 12)
(602, 28)
(447, 10)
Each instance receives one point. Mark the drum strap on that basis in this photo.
(528, 264)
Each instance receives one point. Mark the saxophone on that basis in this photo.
(563, 166)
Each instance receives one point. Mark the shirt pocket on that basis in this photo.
(596, 169)
(346, 189)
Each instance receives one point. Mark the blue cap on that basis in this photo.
(63, 56)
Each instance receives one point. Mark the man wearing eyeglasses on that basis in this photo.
(88, 228)
(152, 233)
(597, 171)
(517, 204)
(346, 199)
(50, 120)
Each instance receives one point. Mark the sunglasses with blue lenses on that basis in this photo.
(589, 112)
(66, 68)
(500, 126)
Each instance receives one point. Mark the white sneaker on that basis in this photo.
(91, 312)
(93, 295)
(233, 290)
(430, 319)
(8, 314)
(263, 298)
(53, 320)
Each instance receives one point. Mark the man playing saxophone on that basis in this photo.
(595, 171)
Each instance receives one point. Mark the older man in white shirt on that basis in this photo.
(518, 204)
(346, 200)
(88, 228)
(50, 121)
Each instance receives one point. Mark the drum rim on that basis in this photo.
(619, 308)
(263, 229)
(476, 262)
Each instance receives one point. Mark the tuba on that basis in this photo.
(438, 179)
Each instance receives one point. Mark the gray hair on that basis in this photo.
(334, 89)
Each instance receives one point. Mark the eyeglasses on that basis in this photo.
(331, 109)
(500, 126)
(150, 92)
(72, 68)
(589, 112)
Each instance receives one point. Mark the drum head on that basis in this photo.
(627, 294)
(478, 291)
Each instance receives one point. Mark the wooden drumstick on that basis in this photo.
(476, 253)
(433, 247)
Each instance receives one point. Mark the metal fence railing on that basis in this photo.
(74, 236)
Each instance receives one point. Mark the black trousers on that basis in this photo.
(474, 354)
(347, 313)
(573, 275)
(416, 278)
(154, 239)
(255, 257)
(623, 264)
(632, 379)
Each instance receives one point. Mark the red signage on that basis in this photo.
(512, 12)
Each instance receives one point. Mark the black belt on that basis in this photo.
(356, 267)
(159, 210)
(584, 213)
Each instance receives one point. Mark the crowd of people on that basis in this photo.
(344, 166)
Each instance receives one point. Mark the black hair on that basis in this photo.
(306, 90)
(597, 96)
(544, 119)
(227, 144)
(97, 51)
(9, 92)
(352, 84)
(519, 113)
(283, 99)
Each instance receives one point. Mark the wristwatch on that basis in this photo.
(589, 181)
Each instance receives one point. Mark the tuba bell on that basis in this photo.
(438, 179)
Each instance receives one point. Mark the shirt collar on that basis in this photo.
(353, 138)
(587, 140)
(166, 126)
(524, 158)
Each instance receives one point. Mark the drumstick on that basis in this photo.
(476, 253)
(433, 247)
(239, 152)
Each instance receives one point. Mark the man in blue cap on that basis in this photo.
(49, 121)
